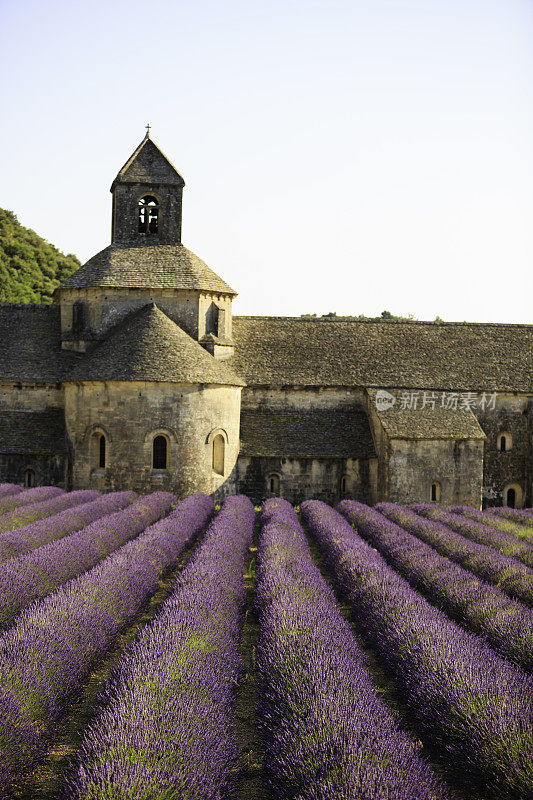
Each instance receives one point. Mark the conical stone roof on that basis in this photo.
(147, 266)
(148, 346)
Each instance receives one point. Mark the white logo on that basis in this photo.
(384, 400)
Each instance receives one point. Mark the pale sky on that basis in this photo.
(341, 155)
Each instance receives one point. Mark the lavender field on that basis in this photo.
(151, 648)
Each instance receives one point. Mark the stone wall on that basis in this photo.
(130, 414)
(382, 446)
(307, 478)
(125, 214)
(457, 465)
(49, 470)
(510, 415)
(106, 307)
(29, 396)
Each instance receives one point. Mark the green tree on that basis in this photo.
(30, 267)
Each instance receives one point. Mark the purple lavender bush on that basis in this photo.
(9, 489)
(474, 604)
(326, 732)
(54, 643)
(474, 705)
(29, 537)
(523, 515)
(517, 529)
(479, 532)
(24, 498)
(511, 576)
(37, 574)
(33, 512)
(167, 730)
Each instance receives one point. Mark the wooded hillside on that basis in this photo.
(30, 267)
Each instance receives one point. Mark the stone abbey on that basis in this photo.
(139, 377)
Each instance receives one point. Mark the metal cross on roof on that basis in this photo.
(148, 129)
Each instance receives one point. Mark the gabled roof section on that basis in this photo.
(147, 266)
(306, 433)
(148, 346)
(445, 356)
(147, 164)
(429, 422)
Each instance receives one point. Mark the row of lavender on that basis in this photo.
(519, 530)
(167, 729)
(479, 531)
(53, 643)
(39, 573)
(34, 511)
(7, 489)
(9, 501)
(508, 574)
(468, 701)
(327, 734)
(523, 515)
(479, 606)
(25, 538)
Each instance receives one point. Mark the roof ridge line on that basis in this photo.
(386, 321)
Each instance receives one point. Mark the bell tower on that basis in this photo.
(147, 198)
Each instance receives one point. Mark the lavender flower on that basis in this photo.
(517, 529)
(474, 705)
(523, 515)
(9, 489)
(28, 537)
(512, 577)
(474, 604)
(480, 532)
(54, 642)
(10, 501)
(37, 574)
(168, 727)
(28, 514)
(327, 733)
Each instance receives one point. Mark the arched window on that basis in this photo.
(273, 484)
(505, 442)
(344, 484)
(148, 214)
(435, 492)
(101, 451)
(29, 478)
(218, 454)
(510, 499)
(159, 452)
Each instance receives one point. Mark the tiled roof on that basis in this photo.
(148, 346)
(30, 344)
(310, 433)
(429, 422)
(147, 164)
(143, 265)
(33, 432)
(451, 356)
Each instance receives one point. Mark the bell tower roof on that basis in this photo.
(147, 198)
(148, 165)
